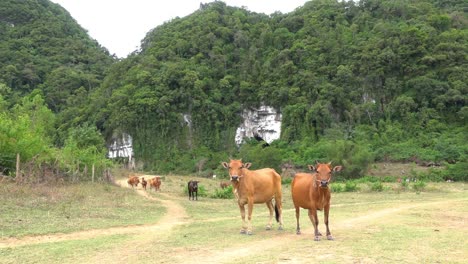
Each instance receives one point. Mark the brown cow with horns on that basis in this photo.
(311, 191)
(253, 187)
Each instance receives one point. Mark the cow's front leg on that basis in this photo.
(244, 226)
(314, 219)
(249, 217)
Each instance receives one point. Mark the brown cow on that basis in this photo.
(155, 183)
(223, 185)
(253, 187)
(311, 191)
(133, 181)
(143, 182)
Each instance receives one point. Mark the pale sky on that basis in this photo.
(120, 25)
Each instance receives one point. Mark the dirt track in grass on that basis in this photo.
(146, 240)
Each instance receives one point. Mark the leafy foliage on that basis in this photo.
(356, 82)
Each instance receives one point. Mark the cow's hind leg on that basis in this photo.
(298, 228)
(270, 207)
(326, 212)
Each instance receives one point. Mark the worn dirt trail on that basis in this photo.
(227, 255)
(145, 239)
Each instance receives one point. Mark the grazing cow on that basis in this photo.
(254, 187)
(193, 190)
(143, 182)
(133, 181)
(223, 185)
(311, 191)
(155, 183)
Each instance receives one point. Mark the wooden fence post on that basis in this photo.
(18, 174)
(92, 173)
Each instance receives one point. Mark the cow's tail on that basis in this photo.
(277, 216)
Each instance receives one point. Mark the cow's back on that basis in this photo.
(264, 184)
(301, 187)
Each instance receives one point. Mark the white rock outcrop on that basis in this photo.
(121, 147)
(260, 123)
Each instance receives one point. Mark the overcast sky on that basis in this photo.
(120, 25)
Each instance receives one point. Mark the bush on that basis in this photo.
(337, 187)
(456, 172)
(419, 186)
(389, 179)
(367, 179)
(225, 193)
(286, 181)
(350, 186)
(376, 187)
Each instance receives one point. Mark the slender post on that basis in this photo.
(18, 174)
(92, 173)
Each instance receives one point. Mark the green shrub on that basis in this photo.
(367, 179)
(337, 187)
(419, 186)
(388, 179)
(225, 193)
(456, 172)
(350, 186)
(404, 185)
(376, 187)
(286, 181)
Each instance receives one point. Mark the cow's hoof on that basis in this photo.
(243, 231)
(280, 228)
(298, 232)
(249, 233)
(329, 237)
(319, 234)
(268, 227)
(317, 238)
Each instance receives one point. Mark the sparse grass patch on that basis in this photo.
(44, 209)
(61, 252)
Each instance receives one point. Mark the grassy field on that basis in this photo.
(97, 223)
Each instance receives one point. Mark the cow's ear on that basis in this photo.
(247, 165)
(225, 165)
(312, 168)
(337, 168)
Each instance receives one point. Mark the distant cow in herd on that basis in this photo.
(224, 185)
(143, 182)
(133, 181)
(254, 187)
(193, 190)
(311, 191)
(155, 183)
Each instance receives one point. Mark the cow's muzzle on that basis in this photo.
(324, 184)
(234, 178)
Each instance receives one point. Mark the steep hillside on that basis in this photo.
(43, 47)
(387, 77)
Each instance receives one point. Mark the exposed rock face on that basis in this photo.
(263, 123)
(121, 147)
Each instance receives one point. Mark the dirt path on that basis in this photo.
(145, 238)
(272, 243)
(175, 215)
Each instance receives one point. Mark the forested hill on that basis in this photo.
(356, 82)
(387, 76)
(43, 47)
